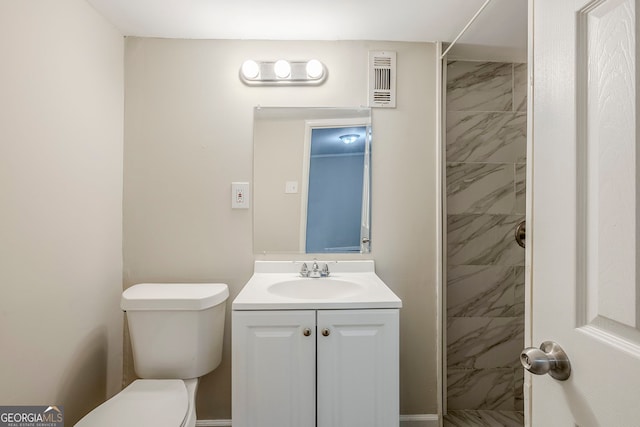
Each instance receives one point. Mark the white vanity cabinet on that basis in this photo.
(357, 368)
(273, 368)
(315, 368)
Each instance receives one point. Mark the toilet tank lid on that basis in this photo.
(173, 296)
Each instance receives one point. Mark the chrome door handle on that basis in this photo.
(550, 359)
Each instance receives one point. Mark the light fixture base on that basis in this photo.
(298, 76)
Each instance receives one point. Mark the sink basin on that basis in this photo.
(322, 288)
(277, 285)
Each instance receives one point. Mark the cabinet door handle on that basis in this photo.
(326, 332)
(306, 332)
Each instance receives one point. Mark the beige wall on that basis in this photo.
(188, 135)
(279, 146)
(61, 127)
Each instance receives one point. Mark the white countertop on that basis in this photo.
(372, 293)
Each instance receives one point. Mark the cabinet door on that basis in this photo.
(273, 368)
(358, 368)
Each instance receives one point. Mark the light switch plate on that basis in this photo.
(240, 197)
(291, 187)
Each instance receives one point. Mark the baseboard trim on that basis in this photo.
(421, 420)
(213, 423)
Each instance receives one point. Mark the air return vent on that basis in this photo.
(382, 79)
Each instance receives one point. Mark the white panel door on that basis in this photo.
(274, 368)
(583, 217)
(358, 358)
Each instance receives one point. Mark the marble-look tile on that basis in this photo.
(480, 389)
(520, 87)
(486, 137)
(480, 188)
(484, 342)
(518, 388)
(483, 239)
(484, 418)
(480, 290)
(520, 188)
(479, 86)
(518, 272)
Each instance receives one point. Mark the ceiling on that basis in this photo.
(502, 24)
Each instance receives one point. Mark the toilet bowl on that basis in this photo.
(176, 337)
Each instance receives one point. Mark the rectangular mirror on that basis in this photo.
(311, 180)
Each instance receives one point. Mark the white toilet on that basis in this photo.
(176, 334)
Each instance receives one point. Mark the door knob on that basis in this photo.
(521, 234)
(550, 359)
(306, 332)
(326, 332)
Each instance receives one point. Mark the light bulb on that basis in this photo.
(282, 69)
(250, 69)
(314, 69)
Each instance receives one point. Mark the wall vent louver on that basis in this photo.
(382, 79)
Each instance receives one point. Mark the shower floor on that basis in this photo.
(473, 418)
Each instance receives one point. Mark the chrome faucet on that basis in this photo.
(315, 270)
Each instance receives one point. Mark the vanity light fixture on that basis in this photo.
(283, 72)
(349, 138)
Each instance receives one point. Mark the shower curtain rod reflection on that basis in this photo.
(466, 27)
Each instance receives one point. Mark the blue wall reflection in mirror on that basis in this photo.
(336, 173)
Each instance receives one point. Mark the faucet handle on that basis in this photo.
(304, 270)
(325, 271)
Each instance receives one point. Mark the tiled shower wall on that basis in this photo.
(486, 156)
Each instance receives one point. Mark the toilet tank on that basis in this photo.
(176, 329)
